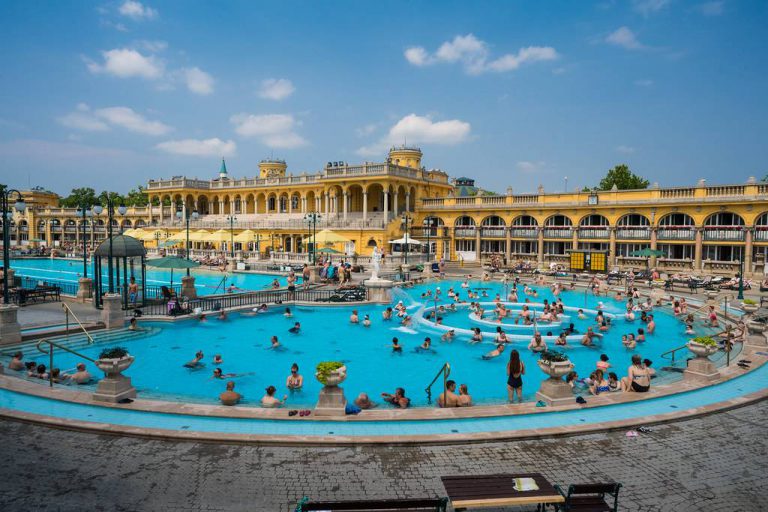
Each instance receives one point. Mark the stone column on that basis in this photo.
(327, 203)
(747, 251)
(697, 251)
(478, 256)
(112, 315)
(612, 246)
(188, 287)
(407, 201)
(575, 238)
(394, 204)
(386, 207)
(345, 199)
(654, 245)
(365, 206)
(149, 209)
(508, 250)
(84, 288)
(10, 330)
(540, 255)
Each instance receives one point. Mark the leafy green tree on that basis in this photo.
(136, 197)
(623, 178)
(77, 197)
(116, 198)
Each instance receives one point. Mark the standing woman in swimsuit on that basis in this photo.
(638, 377)
(515, 371)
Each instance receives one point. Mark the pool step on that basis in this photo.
(79, 341)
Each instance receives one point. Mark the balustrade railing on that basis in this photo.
(723, 234)
(590, 232)
(554, 232)
(676, 233)
(528, 233)
(633, 233)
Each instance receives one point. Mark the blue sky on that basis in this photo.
(111, 94)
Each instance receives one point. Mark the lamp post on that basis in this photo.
(311, 219)
(740, 296)
(180, 215)
(428, 225)
(121, 209)
(232, 220)
(405, 220)
(84, 212)
(258, 245)
(20, 206)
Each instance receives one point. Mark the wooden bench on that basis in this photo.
(481, 491)
(589, 498)
(421, 504)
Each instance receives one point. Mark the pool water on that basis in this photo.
(206, 281)
(326, 334)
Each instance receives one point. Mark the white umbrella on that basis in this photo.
(409, 241)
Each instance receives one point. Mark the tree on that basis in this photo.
(79, 196)
(623, 178)
(137, 197)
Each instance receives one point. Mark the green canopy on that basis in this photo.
(328, 250)
(647, 253)
(172, 262)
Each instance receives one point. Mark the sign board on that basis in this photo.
(589, 261)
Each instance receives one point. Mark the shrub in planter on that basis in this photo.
(705, 340)
(749, 302)
(553, 356)
(328, 369)
(113, 353)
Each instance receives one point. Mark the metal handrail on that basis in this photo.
(673, 351)
(67, 312)
(446, 371)
(52, 344)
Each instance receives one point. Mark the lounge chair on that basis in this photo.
(589, 498)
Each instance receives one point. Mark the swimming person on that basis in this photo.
(396, 346)
(386, 314)
(465, 400)
(515, 372)
(366, 321)
(537, 343)
(274, 343)
(230, 397)
(16, 363)
(288, 313)
(599, 384)
(217, 359)
(399, 399)
(269, 400)
(603, 363)
(426, 346)
(495, 352)
(218, 373)
(448, 398)
(477, 335)
(194, 363)
(295, 329)
(294, 380)
(353, 318)
(448, 336)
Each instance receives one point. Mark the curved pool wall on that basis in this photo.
(730, 393)
(206, 281)
(243, 342)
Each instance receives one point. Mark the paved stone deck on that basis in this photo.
(716, 462)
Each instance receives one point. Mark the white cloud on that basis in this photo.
(276, 89)
(625, 38)
(102, 119)
(711, 8)
(127, 63)
(644, 83)
(198, 81)
(137, 11)
(625, 149)
(420, 130)
(473, 54)
(151, 46)
(132, 121)
(530, 167)
(198, 147)
(648, 7)
(274, 130)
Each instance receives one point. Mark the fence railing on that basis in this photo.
(237, 300)
(66, 287)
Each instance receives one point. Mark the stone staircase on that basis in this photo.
(79, 340)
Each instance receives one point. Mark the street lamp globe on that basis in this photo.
(195, 215)
(20, 205)
(122, 209)
(98, 209)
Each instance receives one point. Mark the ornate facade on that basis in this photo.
(698, 228)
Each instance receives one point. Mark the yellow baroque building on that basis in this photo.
(698, 229)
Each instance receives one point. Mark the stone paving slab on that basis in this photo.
(715, 462)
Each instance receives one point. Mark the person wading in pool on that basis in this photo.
(448, 398)
(515, 372)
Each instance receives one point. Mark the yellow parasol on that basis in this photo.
(222, 235)
(246, 236)
(327, 237)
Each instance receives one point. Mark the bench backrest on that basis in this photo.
(427, 504)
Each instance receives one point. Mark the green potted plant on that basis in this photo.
(331, 373)
(113, 361)
(749, 306)
(555, 364)
(702, 346)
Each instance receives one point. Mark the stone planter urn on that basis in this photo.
(331, 401)
(554, 390)
(700, 367)
(756, 332)
(749, 309)
(115, 386)
(700, 350)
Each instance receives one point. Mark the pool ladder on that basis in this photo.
(445, 371)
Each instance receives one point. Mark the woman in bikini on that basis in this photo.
(638, 379)
(295, 380)
(515, 372)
